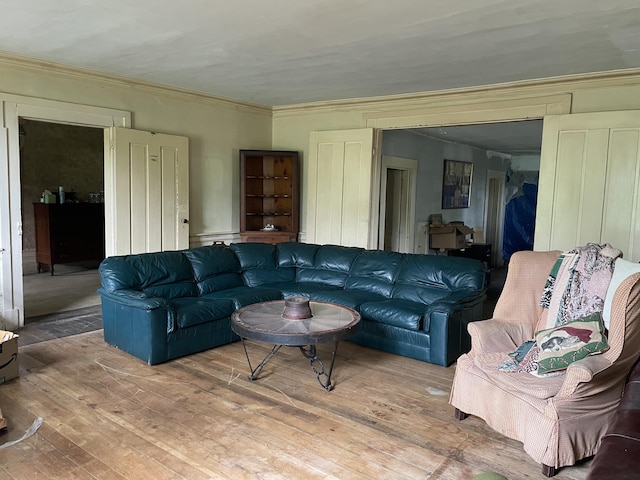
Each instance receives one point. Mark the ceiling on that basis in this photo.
(513, 138)
(284, 52)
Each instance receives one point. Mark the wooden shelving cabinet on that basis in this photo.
(68, 233)
(269, 195)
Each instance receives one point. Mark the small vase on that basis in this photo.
(296, 308)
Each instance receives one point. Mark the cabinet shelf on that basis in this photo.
(269, 214)
(253, 177)
(269, 194)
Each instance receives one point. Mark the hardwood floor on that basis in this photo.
(107, 415)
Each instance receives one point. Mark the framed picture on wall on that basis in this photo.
(456, 184)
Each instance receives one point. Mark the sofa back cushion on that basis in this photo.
(331, 265)
(428, 278)
(162, 274)
(215, 268)
(374, 271)
(258, 264)
(296, 254)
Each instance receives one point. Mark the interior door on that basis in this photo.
(146, 192)
(494, 214)
(338, 201)
(589, 185)
(397, 204)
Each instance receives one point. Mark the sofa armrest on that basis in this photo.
(447, 324)
(134, 298)
(496, 336)
(456, 301)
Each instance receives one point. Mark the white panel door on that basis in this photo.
(590, 182)
(338, 204)
(146, 191)
(11, 303)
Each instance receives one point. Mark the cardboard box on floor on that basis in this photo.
(8, 356)
(449, 236)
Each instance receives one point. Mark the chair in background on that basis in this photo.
(559, 419)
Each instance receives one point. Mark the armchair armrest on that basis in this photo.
(497, 336)
(581, 372)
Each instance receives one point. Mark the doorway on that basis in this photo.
(54, 155)
(16, 108)
(494, 214)
(397, 204)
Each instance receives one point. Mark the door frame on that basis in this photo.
(12, 108)
(409, 167)
(497, 240)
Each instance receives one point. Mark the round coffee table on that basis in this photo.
(265, 322)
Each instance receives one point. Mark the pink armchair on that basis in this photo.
(559, 419)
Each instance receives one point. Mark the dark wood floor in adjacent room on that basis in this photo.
(108, 415)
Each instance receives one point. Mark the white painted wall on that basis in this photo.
(292, 125)
(216, 130)
(525, 163)
(431, 154)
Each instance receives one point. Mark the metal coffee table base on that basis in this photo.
(309, 352)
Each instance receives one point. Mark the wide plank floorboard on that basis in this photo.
(107, 415)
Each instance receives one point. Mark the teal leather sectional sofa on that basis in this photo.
(160, 306)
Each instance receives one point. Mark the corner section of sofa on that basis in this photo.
(152, 309)
(426, 316)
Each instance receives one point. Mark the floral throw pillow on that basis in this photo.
(561, 346)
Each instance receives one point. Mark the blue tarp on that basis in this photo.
(520, 221)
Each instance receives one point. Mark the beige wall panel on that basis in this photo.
(566, 200)
(330, 196)
(595, 166)
(139, 194)
(167, 192)
(620, 216)
(606, 99)
(339, 186)
(593, 187)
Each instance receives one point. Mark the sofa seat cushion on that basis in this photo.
(196, 310)
(400, 313)
(348, 298)
(243, 296)
(297, 289)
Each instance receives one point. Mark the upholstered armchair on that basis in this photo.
(559, 419)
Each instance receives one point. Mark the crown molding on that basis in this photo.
(35, 65)
(534, 87)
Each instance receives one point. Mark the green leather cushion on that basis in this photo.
(259, 266)
(428, 278)
(194, 311)
(400, 313)
(374, 271)
(331, 265)
(215, 268)
(161, 274)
